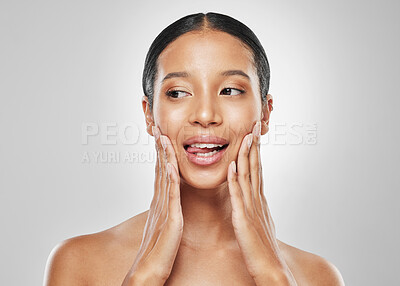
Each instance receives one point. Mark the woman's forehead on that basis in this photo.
(206, 52)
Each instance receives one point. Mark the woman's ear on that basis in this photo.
(266, 112)
(148, 115)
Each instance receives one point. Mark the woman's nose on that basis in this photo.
(206, 111)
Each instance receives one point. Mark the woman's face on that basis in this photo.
(206, 91)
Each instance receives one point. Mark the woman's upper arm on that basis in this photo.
(63, 265)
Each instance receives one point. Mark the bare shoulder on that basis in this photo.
(309, 268)
(80, 260)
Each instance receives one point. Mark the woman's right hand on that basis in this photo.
(164, 226)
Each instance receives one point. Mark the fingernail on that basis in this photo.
(249, 140)
(163, 142)
(233, 166)
(156, 132)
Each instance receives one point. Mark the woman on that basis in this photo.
(206, 102)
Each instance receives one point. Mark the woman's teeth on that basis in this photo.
(206, 154)
(203, 145)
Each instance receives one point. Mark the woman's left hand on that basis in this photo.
(251, 218)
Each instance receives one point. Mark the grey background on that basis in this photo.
(334, 64)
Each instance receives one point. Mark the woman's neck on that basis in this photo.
(207, 215)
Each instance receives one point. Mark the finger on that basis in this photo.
(155, 207)
(155, 199)
(167, 245)
(256, 176)
(157, 167)
(155, 203)
(154, 228)
(158, 218)
(165, 249)
(236, 196)
(255, 167)
(249, 240)
(169, 158)
(170, 151)
(157, 214)
(165, 188)
(244, 172)
(267, 214)
(162, 176)
(175, 207)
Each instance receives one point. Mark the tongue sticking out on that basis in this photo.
(201, 150)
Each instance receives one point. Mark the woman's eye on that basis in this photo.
(176, 93)
(231, 91)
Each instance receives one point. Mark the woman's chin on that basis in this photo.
(204, 181)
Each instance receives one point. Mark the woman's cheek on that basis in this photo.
(240, 120)
(171, 120)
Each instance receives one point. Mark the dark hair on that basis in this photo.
(198, 22)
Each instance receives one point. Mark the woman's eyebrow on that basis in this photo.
(224, 73)
(175, 74)
(235, 72)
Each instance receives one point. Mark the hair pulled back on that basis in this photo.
(200, 22)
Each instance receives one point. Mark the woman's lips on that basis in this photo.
(191, 149)
(208, 158)
(211, 139)
(205, 149)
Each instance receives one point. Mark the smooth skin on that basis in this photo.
(207, 225)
